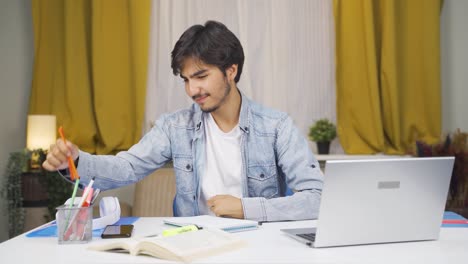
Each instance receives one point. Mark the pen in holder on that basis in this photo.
(74, 224)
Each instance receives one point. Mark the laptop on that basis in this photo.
(380, 201)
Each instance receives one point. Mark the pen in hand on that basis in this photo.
(71, 164)
(73, 175)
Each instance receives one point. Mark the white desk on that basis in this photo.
(265, 245)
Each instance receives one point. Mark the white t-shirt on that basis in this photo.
(222, 173)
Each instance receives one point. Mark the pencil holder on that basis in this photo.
(74, 224)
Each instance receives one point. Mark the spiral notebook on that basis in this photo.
(227, 224)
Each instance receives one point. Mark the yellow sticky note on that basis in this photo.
(179, 230)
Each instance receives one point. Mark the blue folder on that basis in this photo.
(453, 216)
(51, 229)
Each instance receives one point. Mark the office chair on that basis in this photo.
(154, 194)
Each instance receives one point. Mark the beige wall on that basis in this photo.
(16, 53)
(454, 45)
(16, 60)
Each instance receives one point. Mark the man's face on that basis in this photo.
(205, 84)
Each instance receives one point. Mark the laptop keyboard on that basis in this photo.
(308, 236)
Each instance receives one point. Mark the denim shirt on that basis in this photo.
(275, 156)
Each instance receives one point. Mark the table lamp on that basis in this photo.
(41, 133)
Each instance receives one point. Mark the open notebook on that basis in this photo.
(227, 224)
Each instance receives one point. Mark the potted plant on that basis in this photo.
(20, 177)
(12, 193)
(323, 131)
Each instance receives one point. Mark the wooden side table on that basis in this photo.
(35, 199)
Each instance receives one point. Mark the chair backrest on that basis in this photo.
(154, 194)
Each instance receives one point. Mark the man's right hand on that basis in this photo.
(58, 153)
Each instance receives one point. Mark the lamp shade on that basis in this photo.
(41, 131)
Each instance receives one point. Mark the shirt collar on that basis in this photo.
(244, 117)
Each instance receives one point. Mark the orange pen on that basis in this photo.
(71, 165)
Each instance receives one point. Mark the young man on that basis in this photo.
(231, 156)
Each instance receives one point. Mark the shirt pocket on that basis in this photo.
(262, 181)
(183, 167)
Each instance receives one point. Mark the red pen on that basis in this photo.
(87, 201)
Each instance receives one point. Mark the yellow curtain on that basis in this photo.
(388, 74)
(90, 69)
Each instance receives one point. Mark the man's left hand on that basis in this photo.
(226, 205)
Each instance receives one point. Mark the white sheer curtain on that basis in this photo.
(288, 45)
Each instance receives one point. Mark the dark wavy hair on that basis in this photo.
(212, 44)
